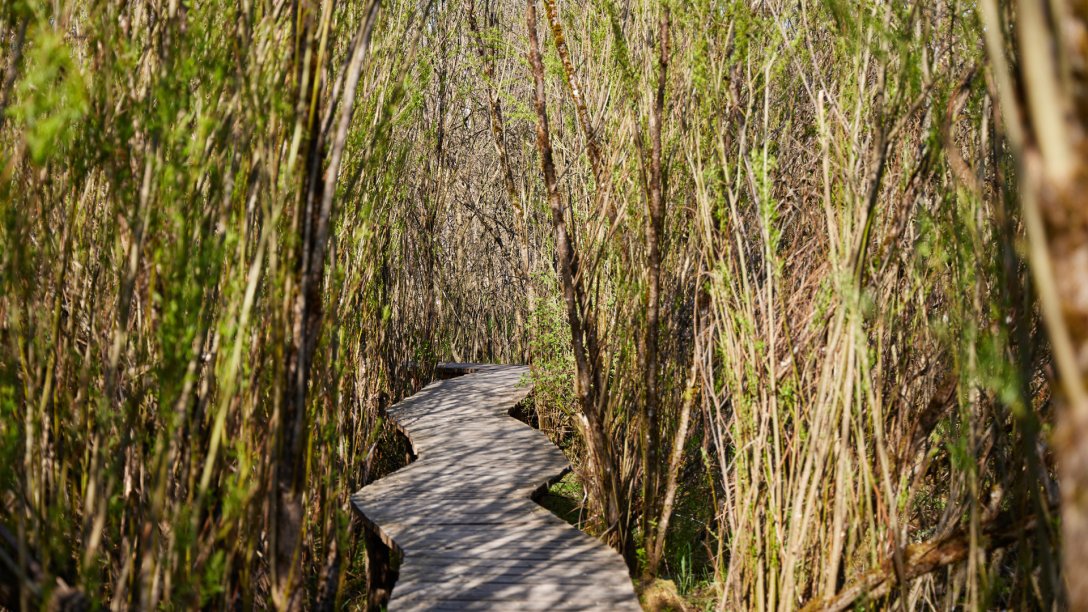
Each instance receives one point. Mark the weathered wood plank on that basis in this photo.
(462, 513)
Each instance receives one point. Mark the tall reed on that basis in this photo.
(763, 258)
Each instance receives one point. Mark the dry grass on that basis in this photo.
(817, 338)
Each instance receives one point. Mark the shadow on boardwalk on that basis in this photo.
(462, 519)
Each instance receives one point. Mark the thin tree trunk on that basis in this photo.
(654, 238)
(563, 246)
(1046, 118)
(583, 335)
(593, 150)
(521, 216)
(293, 430)
(676, 459)
(602, 188)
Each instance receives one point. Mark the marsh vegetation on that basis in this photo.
(801, 284)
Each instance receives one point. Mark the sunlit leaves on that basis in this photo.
(50, 97)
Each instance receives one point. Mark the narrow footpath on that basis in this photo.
(462, 514)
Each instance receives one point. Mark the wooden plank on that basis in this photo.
(528, 570)
(462, 514)
(514, 596)
(567, 554)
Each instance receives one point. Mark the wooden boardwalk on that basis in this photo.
(462, 514)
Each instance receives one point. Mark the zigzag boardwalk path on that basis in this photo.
(462, 514)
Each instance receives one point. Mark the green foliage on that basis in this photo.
(868, 362)
(50, 99)
(151, 198)
(553, 368)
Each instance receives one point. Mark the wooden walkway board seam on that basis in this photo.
(462, 514)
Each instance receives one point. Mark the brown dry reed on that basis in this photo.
(766, 259)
